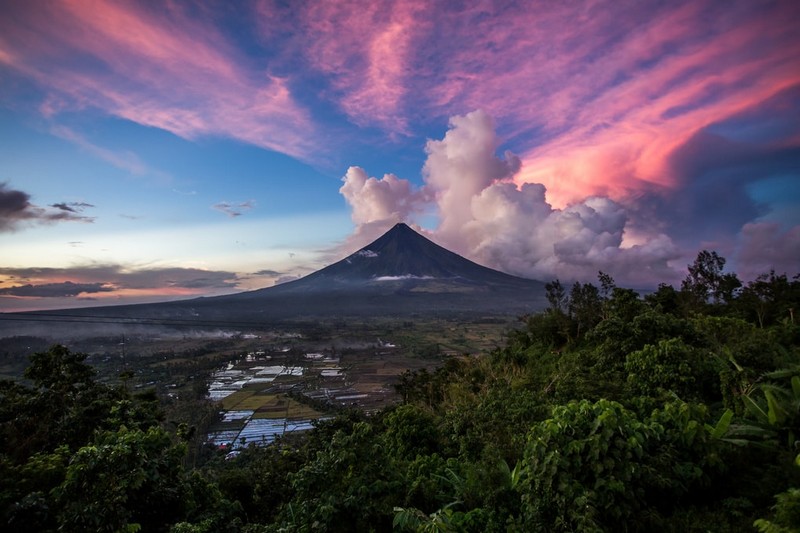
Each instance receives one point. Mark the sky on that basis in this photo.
(164, 150)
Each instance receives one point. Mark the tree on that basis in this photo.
(665, 299)
(125, 479)
(706, 279)
(672, 366)
(79, 455)
(556, 295)
(607, 284)
(585, 307)
(771, 297)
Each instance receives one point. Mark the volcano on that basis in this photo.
(401, 274)
(402, 259)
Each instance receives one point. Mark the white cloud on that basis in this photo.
(488, 218)
(461, 166)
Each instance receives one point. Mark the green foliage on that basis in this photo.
(786, 512)
(593, 466)
(410, 431)
(347, 486)
(124, 477)
(77, 455)
(672, 367)
(584, 467)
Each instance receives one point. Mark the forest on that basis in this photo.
(678, 410)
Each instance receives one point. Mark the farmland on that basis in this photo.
(243, 387)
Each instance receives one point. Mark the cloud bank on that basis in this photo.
(106, 283)
(486, 216)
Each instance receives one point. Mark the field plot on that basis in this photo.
(266, 395)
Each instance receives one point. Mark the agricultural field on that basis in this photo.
(242, 387)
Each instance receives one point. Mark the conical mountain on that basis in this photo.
(400, 274)
(402, 255)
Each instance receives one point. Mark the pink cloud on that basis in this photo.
(160, 68)
(597, 95)
(609, 97)
(368, 50)
(607, 92)
(488, 218)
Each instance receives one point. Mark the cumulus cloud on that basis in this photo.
(461, 166)
(517, 231)
(16, 209)
(234, 209)
(641, 241)
(488, 218)
(377, 204)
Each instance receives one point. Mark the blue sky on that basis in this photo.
(152, 152)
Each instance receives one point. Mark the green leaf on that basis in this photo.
(755, 410)
(776, 413)
(722, 425)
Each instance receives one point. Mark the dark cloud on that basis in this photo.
(715, 178)
(16, 209)
(106, 278)
(71, 207)
(767, 246)
(716, 170)
(185, 278)
(233, 209)
(56, 290)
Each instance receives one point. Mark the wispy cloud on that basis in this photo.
(368, 49)
(234, 209)
(71, 207)
(163, 68)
